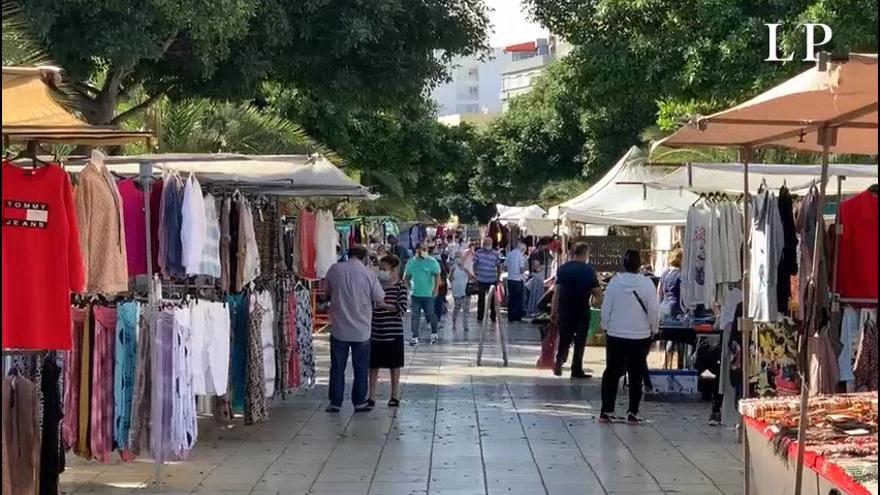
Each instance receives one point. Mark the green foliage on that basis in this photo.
(369, 53)
(19, 48)
(206, 126)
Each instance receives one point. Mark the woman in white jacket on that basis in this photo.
(630, 318)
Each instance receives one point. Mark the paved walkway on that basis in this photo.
(461, 430)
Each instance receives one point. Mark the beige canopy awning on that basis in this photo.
(31, 112)
(839, 94)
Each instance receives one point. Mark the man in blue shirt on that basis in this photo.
(487, 268)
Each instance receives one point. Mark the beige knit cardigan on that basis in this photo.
(101, 231)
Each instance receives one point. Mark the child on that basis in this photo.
(458, 280)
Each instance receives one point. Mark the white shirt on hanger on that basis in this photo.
(326, 240)
(193, 226)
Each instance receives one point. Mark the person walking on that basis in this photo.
(398, 250)
(515, 263)
(386, 341)
(629, 334)
(487, 269)
(353, 290)
(423, 275)
(458, 281)
(576, 285)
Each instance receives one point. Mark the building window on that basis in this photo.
(473, 73)
(469, 108)
(474, 91)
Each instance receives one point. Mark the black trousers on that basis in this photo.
(709, 358)
(481, 302)
(624, 357)
(572, 333)
(515, 292)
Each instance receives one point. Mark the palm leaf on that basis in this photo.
(19, 47)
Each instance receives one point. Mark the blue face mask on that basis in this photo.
(383, 276)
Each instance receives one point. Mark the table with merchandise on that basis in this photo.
(841, 444)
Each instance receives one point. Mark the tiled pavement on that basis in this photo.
(461, 430)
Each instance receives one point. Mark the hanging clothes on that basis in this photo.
(697, 274)
(141, 400)
(788, 265)
(865, 369)
(850, 336)
(267, 340)
(184, 425)
(193, 227)
(248, 253)
(135, 219)
(266, 231)
(767, 244)
(210, 263)
(775, 371)
(170, 242)
(227, 273)
(21, 436)
(325, 243)
(51, 451)
(101, 230)
(238, 317)
(72, 381)
(210, 347)
(101, 422)
(857, 256)
(306, 235)
(127, 321)
(162, 387)
(304, 338)
(255, 408)
(42, 262)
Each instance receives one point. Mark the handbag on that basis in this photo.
(473, 288)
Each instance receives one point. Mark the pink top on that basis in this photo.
(135, 224)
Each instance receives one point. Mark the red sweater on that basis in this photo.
(857, 258)
(42, 263)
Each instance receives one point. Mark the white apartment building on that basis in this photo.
(475, 86)
(527, 62)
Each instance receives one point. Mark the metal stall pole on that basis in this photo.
(827, 136)
(745, 324)
(146, 176)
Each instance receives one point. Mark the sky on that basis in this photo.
(510, 24)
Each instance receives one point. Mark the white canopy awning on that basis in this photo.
(281, 175)
(513, 214)
(622, 197)
(727, 177)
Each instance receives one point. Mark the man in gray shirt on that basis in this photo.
(353, 289)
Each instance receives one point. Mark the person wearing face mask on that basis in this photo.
(515, 264)
(576, 284)
(423, 275)
(386, 341)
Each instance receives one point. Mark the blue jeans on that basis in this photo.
(425, 304)
(360, 361)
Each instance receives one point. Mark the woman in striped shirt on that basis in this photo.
(386, 340)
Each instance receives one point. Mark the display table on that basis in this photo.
(683, 335)
(772, 475)
(840, 455)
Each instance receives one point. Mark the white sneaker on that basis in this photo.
(414, 341)
(435, 338)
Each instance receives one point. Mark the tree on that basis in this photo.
(371, 52)
(683, 57)
(202, 125)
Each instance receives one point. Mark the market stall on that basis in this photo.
(831, 109)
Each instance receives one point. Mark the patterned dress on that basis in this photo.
(304, 338)
(255, 408)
